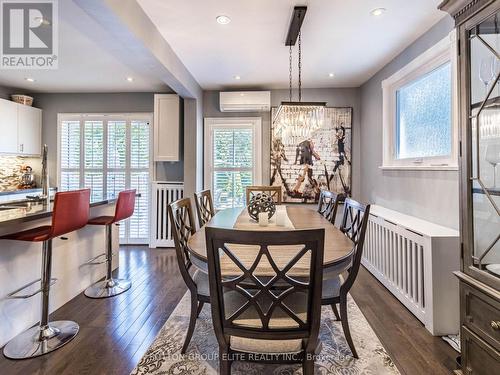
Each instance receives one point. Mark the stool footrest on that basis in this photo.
(15, 295)
(93, 261)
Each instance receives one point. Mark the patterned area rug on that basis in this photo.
(163, 357)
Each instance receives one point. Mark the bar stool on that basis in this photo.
(110, 287)
(71, 212)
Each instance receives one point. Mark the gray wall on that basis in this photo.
(430, 195)
(334, 98)
(52, 104)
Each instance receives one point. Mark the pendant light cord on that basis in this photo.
(290, 73)
(300, 66)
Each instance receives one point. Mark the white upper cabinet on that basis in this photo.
(29, 130)
(8, 127)
(20, 129)
(166, 127)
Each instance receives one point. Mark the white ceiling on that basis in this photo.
(339, 36)
(89, 61)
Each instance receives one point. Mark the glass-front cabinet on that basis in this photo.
(478, 30)
(481, 140)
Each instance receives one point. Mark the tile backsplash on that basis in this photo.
(10, 170)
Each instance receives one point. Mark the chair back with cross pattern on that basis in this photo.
(204, 206)
(353, 225)
(328, 204)
(273, 191)
(266, 286)
(183, 227)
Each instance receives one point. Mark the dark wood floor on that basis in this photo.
(116, 332)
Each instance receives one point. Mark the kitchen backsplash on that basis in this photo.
(10, 170)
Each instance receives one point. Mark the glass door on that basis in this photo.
(484, 146)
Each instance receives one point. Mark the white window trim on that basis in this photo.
(231, 122)
(439, 54)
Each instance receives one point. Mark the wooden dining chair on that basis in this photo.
(335, 289)
(204, 206)
(328, 204)
(181, 217)
(273, 191)
(260, 310)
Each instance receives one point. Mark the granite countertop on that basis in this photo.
(23, 191)
(29, 211)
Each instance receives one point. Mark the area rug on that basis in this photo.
(163, 357)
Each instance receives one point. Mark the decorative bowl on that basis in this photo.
(261, 203)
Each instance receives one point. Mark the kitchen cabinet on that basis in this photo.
(8, 127)
(167, 127)
(21, 129)
(29, 130)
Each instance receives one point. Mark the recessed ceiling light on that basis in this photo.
(29, 79)
(378, 11)
(237, 77)
(223, 20)
(331, 75)
(130, 79)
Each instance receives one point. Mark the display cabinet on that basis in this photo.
(478, 31)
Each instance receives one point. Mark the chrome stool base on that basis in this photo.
(37, 341)
(108, 288)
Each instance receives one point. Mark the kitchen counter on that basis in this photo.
(21, 191)
(34, 211)
(20, 261)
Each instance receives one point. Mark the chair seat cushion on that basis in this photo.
(102, 220)
(32, 235)
(331, 287)
(201, 280)
(261, 346)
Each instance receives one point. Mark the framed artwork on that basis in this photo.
(320, 160)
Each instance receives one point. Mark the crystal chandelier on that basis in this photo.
(295, 121)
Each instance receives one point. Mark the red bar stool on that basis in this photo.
(71, 212)
(110, 287)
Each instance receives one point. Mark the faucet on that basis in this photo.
(45, 175)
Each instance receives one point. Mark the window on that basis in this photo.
(108, 154)
(419, 112)
(232, 158)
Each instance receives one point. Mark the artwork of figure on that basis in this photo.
(320, 160)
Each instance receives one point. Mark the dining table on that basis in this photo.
(338, 248)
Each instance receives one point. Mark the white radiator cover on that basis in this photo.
(415, 259)
(162, 194)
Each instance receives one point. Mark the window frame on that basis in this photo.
(441, 53)
(105, 118)
(211, 123)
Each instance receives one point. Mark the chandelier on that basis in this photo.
(295, 121)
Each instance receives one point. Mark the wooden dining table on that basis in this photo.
(338, 247)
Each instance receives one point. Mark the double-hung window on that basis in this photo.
(232, 158)
(108, 154)
(420, 102)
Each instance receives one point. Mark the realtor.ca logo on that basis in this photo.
(28, 37)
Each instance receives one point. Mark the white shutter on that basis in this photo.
(108, 154)
(233, 159)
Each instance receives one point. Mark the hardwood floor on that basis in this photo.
(116, 332)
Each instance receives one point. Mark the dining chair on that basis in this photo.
(273, 191)
(204, 206)
(335, 288)
(261, 310)
(181, 217)
(328, 204)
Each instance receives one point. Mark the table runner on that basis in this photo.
(245, 222)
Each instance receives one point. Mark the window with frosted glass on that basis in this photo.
(424, 116)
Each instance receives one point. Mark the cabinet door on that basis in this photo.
(166, 127)
(8, 127)
(29, 130)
